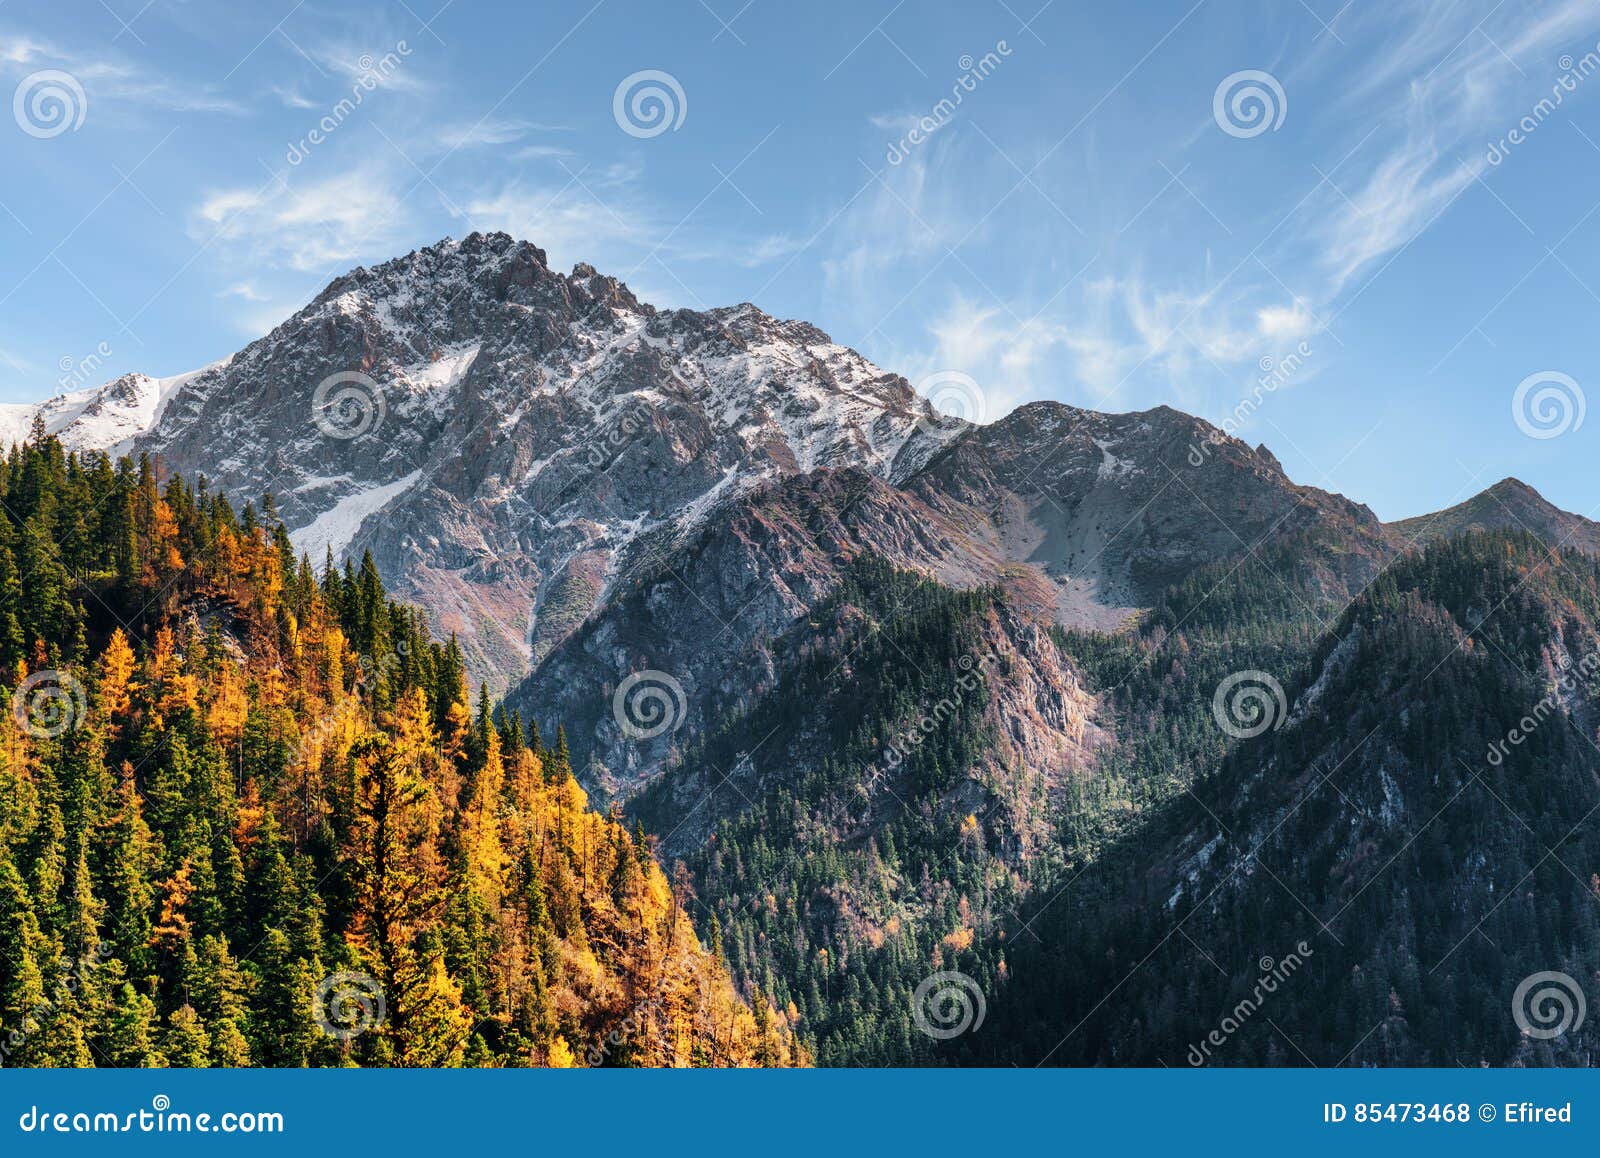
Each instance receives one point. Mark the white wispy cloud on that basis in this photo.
(1404, 102)
(926, 236)
(112, 83)
(1434, 87)
(569, 223)
(374, 54)
(492, 131)
(292, 98)
(305, 226)
(541, 153)
(1285, 323)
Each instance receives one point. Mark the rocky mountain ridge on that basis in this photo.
(580, 486)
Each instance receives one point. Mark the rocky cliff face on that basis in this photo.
(1111, 508)
(1417, 830)
(516, 445)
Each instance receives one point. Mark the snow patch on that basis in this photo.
(335, 527)
(1111, 466)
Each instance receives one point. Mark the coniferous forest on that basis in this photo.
(251, 814)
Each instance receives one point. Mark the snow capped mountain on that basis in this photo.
(107, 417)
(507, 440)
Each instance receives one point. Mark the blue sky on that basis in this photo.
(1093, 222)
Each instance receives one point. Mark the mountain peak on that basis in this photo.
(1509, 504)
(1511, 486)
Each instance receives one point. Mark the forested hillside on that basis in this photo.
(881, 861)
(1416, 840)
(251, 815)
(892, 862)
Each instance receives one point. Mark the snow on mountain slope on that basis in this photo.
(335, 527)
(107, 417)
